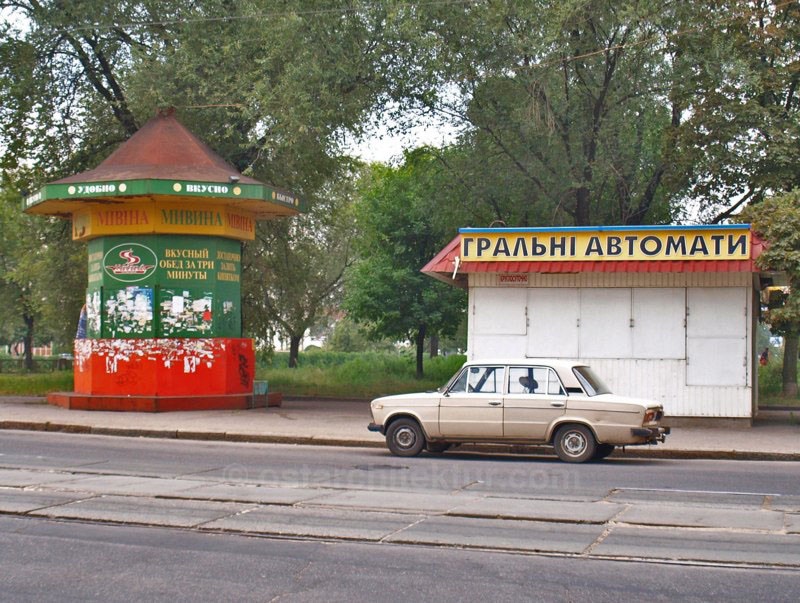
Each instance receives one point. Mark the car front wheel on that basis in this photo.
(405, 438)
(575, 443)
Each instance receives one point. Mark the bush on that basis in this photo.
(358, 375)
(770, 377)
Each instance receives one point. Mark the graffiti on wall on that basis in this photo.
(188, 353)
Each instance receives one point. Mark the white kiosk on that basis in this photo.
(662, 312)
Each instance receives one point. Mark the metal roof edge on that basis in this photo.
(662, 227)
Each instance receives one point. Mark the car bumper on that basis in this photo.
(376, 427)
(651, 434)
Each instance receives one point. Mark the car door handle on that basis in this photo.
(558, 404)
(495, 403)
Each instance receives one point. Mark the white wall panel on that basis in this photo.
(497, 346)
(499, 311)
(553, 323)
(659, 323)
(716, 336)
(665, 382)
(605, 326)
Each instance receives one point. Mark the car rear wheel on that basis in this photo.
(405, 438)
(575, 443)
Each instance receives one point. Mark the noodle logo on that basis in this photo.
(130, 262)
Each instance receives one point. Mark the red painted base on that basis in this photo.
(76, 401)
(157, 375)
(164, 367)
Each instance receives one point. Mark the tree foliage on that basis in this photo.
(599, 111)
(739, 143)
(777, 221)
(294, 269)
(271, 87)
(40, 271)
(398, 236)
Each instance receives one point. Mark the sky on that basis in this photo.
(380, 145)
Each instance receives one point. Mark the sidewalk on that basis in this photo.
(775, 435)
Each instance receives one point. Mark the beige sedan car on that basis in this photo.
(528, 401)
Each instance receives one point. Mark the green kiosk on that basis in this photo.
(164, 218)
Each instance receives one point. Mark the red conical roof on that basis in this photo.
(162, 149)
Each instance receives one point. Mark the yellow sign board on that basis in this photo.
(163, 217)
(540, 245)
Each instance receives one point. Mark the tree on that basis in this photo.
(385, 289)
(569, 107)
(777, 221)
(295, 267)
(38, 275)
(738, 144)
(601, 111)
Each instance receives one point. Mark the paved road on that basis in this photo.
(49, 560)
(734, 513)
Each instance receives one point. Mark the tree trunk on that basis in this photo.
(27, 342)
(582, 206)
(420, 341)
(434, 346)
(791, 342)
(294, 350)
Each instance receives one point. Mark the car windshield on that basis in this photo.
(592, 384)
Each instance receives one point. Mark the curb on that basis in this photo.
(739, 455)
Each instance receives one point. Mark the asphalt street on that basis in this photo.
(62, 561)
(737, 514)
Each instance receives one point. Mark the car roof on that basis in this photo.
(556, 363)
(562, 366)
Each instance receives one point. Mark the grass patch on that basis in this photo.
(770, 385)
(35, 384)
(359, 375)
(765, 401)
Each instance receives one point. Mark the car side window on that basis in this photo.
(459, 386)
(479, 379)
(534, 380)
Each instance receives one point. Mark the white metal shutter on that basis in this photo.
(553, 322)
(716, 334)
(659, 323)
(499, 311)
(497, 326)
(605, 328)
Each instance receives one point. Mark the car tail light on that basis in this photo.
(651, 415)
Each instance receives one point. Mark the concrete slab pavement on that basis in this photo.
(726, 533)
(775, 435)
